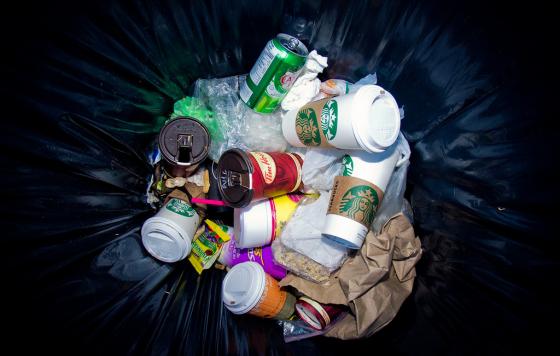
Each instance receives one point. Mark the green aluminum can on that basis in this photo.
(274, 73)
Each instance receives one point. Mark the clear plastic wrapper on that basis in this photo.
(393, 199)
(299, 264)
(233, 124)
(320, 167)
(295, 330)
(257, 132)
(367, 80)
(302, 234)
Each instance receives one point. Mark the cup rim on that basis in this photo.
(255, 296)
(360, 116)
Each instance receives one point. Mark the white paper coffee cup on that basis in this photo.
(357, 194)
(168, 235)
(368, 120)
(243, 287)
(247, 288)
(253, 224)
(259, 223)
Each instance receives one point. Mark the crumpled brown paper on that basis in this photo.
(374, 283)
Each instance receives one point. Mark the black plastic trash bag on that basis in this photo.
(86, 86)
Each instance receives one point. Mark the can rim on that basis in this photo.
(286, 36)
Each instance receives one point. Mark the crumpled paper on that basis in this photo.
(374, 283)
(307, 86)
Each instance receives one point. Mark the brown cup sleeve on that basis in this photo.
(355, 198)
(308, 124)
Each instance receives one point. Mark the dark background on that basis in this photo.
(85, 87)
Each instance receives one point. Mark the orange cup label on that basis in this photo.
(272, 300)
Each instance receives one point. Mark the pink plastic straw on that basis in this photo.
(208, 201)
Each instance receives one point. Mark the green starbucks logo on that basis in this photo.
(348, 165)
(307, 127)
(329, 119)
(180, 207)
(360, 204)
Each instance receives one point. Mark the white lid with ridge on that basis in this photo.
(165, 240)
(243, 287)
(376, 119)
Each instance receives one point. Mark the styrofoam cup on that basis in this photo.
(168, 235)
(361, 199)
(368, 120)
(248, 289)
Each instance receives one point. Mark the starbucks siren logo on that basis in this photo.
(329, 119)
(360, 204)
(348, 165)
(307, 127)
(180, 207)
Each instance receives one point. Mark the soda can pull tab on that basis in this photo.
(184, 148)
(293, 43)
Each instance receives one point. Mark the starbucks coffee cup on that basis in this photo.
(168, 235)
(247, 289)
(261, 222)
(368, 120)
(357, 194)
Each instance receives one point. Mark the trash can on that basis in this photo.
(87, 85)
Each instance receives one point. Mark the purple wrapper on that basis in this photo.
(231, 256)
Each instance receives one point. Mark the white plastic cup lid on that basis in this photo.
(243, 287)
(165, 240)
(376, 122)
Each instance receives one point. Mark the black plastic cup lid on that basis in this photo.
(235, 169)
(184, 141)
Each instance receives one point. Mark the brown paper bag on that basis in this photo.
(374, 283)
